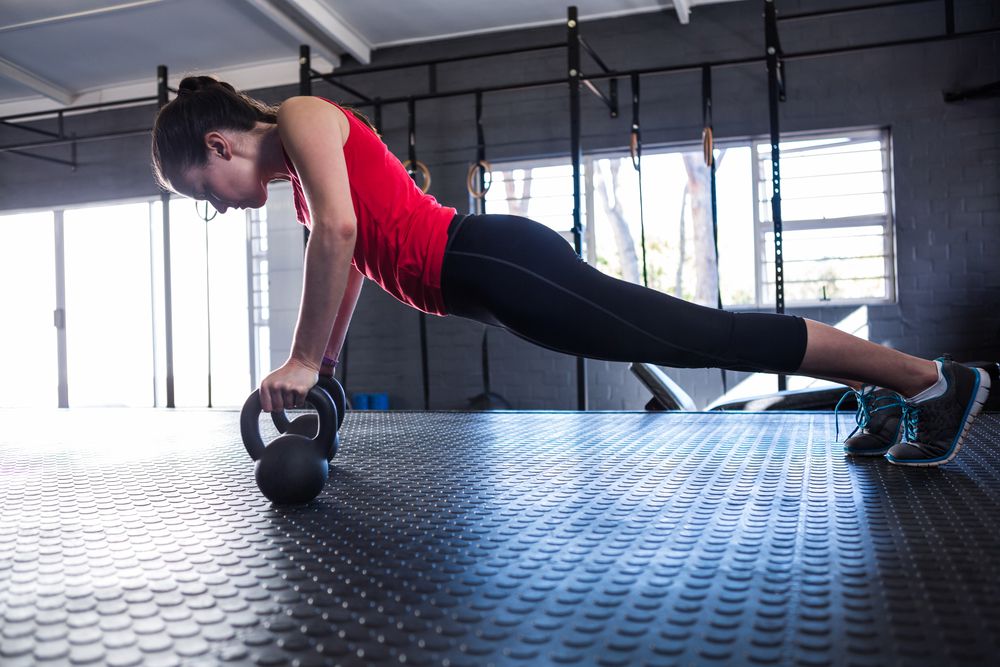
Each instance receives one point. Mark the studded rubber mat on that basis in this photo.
(139, 538)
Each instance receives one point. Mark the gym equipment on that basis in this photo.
(480, 172)
(410, 164)
(422, 169)
(292, 469)
(487, 400)
(667, 394)
(308, 425)
(635, 151)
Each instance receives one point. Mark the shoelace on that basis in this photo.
(869, 404)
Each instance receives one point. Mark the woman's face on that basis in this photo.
(229, 179)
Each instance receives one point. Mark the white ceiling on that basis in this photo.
(68, 52)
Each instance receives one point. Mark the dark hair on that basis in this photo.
(204, 104)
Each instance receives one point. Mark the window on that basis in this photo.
(97, 272)
(836, 219)
(836, 205)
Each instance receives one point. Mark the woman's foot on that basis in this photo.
(879, 419)
(935, 428)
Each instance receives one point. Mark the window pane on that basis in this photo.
(109, 314)
(230, 361)
(825, 264)
(542, 192)
(27, 299)
(835, 208)
(823, 179)
(734, 203)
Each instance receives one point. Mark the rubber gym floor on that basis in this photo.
(138, 537)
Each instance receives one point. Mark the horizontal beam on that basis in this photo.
(82, 107)
(441, 61)
(87, 13)
(74, 140)
(849, 10)
(329, 23)
(17, 73)
(280, 15)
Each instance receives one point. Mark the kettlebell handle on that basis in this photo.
(250, 421)
(281, 420)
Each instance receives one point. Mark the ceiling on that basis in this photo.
(56, 53)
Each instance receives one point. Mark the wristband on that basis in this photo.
(327, 361)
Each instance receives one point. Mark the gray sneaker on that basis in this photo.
(934, 429)
(879, 418)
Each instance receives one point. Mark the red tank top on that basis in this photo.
(402, 232)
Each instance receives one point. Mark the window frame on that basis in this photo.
(887, 222)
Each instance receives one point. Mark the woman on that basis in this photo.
(368, 218)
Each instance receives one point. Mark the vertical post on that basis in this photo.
(949, 16)
(305, 71)
(251, 324)
(60, 312)
(479, 203)
(161, 92)
(305, 89)
(411, 108)
(576, 154)
(208, 311)
(774, 93)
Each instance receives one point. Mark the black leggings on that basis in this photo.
(520, 275)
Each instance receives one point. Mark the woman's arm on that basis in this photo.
(313, 133)
(355, 280)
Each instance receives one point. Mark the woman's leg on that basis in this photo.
(518, 274)
(831, 352)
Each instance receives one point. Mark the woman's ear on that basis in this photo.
(218, 144)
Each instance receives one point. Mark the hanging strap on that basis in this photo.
(635, 150)
(708, 146)
(413, 165)
(480, 175)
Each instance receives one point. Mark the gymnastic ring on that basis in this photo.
(471, 179)
(633, 149)
(708, 146)
(424, 171)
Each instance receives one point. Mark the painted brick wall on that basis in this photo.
(946, 156)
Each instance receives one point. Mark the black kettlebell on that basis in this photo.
(292, 469)
(308, 425)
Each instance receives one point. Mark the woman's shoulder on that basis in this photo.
(305, 108)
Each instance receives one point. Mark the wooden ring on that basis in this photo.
(424, 171)
(708, 146)
(472, 180)
(633, 149)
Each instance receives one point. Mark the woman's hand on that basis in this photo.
(286, 388)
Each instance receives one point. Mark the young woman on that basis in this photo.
(367, 218)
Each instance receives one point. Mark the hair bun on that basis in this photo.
(193, 84)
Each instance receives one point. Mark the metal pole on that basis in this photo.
(305, 89)
(773, 49)
(411, 109)
(161, 86)
(60, 312)
(208, 314)
(576, 154)
(251, 323)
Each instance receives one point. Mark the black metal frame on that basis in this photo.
(162, 90)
